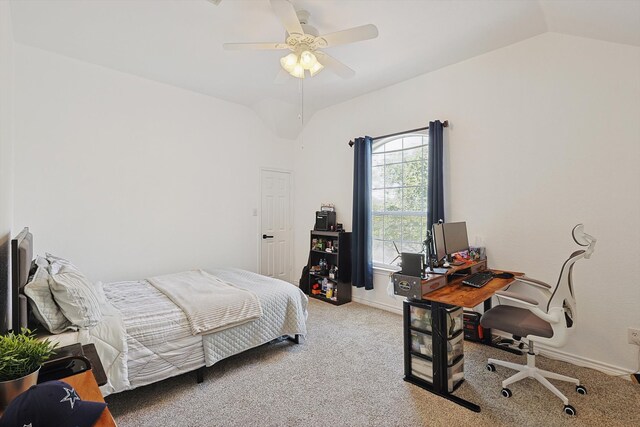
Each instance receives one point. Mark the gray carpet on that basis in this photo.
(349, 373)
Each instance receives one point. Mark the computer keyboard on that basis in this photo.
(478, 280)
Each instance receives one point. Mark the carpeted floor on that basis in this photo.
(348, 372)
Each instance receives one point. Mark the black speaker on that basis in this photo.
(325, 221)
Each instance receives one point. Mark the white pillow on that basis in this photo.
(56, 264)
(44, 308)
(75, 295)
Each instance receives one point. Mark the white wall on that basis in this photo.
(6, 156)
(128, 177)
(544, 134)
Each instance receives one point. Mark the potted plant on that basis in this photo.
(21, 356)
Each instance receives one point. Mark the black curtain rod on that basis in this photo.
(445, 124)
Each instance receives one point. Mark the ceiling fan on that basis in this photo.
(305, 43)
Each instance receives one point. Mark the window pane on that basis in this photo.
(378, 227)
(414, 199)
(393, 200)
(390, 253)
(377, 200)
(393, 228)
(413, 141)
(413, 173)
(377, 159)
(393, 175)
(395, 157)
(394, 144)
(377, 177)
(412, 229)
(378, 252)
(412, 154)
(414, 248)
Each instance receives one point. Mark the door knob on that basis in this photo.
(264, 236)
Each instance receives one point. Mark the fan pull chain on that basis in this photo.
(301, 115)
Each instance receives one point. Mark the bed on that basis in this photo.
(143, 336)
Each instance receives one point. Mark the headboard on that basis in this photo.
(21, 258)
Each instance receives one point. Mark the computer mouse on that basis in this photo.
(503, 276)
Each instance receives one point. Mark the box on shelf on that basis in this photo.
(421, 318)
(422, 343)
(473, 331)
(423, 369)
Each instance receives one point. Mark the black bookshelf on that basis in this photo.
(335, 248)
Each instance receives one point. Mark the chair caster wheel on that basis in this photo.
(491, 367)
(570, 410)
(581, 389)
(506, 392)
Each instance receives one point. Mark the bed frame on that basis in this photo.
(21, 261)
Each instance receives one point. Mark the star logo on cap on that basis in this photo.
(71, 396)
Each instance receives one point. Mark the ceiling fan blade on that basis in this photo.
(355, 34)
(287, 15)
(334, 65)
(254, 46)
(282, 77)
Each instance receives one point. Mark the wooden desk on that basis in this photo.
(87, 388)
(457, 295)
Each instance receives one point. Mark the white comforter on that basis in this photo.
(144, 337)
(210, 303)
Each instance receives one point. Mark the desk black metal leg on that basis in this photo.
(487, 339)
(452, 397)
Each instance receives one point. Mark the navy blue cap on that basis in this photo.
(52, 403)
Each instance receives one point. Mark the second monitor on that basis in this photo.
(449, 238)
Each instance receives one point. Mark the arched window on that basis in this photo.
(399, 196)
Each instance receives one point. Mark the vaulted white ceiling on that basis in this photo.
(180, 42)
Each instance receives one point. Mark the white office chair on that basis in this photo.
(548, 322)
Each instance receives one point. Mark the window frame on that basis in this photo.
(400, 213)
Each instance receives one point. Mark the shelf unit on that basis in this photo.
(340, 257)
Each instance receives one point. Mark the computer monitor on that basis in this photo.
(438, 241)
(449, 238)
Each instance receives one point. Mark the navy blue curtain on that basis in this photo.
(361, 246)
(435, 183)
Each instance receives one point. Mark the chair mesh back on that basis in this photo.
(563, 295)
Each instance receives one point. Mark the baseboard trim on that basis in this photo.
(380, 305)
(550, 352)
(574, 359)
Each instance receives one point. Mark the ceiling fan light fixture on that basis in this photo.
(307, 59)
(316, 68)
(298, 71)
(289, 62)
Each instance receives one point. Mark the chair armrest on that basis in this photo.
(531, 305)
(521, 299)
(534, 282)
